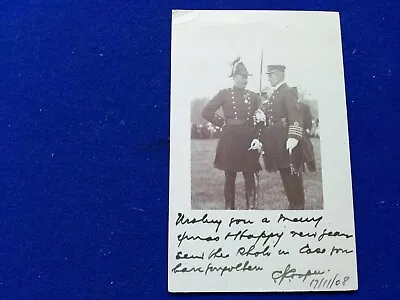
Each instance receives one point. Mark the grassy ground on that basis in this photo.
(208, 182)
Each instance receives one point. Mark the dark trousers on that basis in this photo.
(229, 187)
(294, 189)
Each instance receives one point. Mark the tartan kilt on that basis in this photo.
(276, 156)
(232, 152)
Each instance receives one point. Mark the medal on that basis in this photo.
(246, 98)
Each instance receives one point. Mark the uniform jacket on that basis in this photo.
(284, 121)
(236, 104)
(238, 130)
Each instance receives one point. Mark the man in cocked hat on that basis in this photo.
(238, 133)
(282, 138)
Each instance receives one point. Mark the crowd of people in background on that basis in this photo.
(205, 131)
(209, 131)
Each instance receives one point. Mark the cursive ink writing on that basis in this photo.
(240, 267)
(182, 220)
(307, 250)
(340, 250)
(283, 252)
(265, 220)
(179, 269)
(184, 236)
(302, 234)
(217, 254)
(333, 234)
(239, 221)
(291, 273)
(300, 220)
(179, 255)
(242, 234)
(329, 282)
(250, 252)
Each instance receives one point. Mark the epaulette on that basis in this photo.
(251, 92)
(226, 90)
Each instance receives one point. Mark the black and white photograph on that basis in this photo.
(254, 90)
(260, 178)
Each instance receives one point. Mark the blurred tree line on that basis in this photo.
(198, 104)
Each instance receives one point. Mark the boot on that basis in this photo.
(230, 203)
(250, 199)
(229, 190)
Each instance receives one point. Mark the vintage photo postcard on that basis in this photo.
(260, 180)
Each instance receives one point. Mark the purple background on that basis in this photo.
(84, 124)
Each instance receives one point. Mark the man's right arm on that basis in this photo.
(209, 111)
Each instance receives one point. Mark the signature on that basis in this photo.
(291, 273)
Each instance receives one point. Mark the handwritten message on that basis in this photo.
(218, 247)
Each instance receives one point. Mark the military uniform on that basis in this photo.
(308, 149)
(238, 131)
(284, 121)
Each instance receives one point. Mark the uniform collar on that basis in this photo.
(235, 88)
(275, 88)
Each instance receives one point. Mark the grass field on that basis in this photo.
(208, 182)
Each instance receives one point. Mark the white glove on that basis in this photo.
(291, 143)
(255, 145)
(259, 116)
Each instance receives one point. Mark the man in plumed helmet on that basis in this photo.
(238, 147)
(282, 139)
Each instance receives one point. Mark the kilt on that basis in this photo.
(232, 152)
(276, 156)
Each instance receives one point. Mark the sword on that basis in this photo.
(256, 188)
(257, 174)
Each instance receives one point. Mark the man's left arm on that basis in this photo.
(260, 117)
(294, 121)
(259, 123)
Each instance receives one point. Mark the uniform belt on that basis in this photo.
(236, 121)
(272, 120)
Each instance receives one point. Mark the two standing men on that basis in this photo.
(249, 126)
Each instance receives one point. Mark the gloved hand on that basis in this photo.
(259, 116)
(255, 145)
(291, 143)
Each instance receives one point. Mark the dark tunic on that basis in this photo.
(284, 121)
(238, 130)
(307, 124)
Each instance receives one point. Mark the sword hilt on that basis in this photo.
(293, 170)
